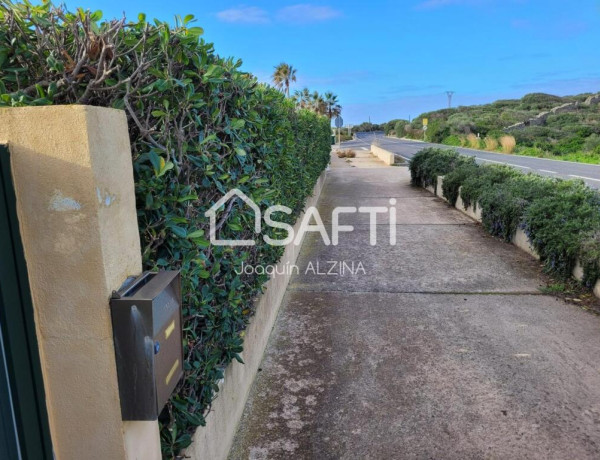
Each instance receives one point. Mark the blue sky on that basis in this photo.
(395, 59)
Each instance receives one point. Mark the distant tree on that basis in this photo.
(283, 76)
(318, 103)
(332, 106)
(303, 98)
(367, 127)
(326, 104)
(399, 127)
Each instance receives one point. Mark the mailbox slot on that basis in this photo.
(146, 317)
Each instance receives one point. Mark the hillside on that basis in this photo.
(539, 124)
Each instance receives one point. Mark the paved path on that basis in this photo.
(444, 349)
(546, 167)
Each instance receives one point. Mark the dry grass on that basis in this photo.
(490, 143)
(473, 141)
(508, 144)
(346, 154)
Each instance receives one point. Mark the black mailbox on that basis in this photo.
(146, 317)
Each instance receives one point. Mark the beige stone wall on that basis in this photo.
(76, 206)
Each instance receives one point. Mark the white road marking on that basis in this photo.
(503, 163)
(583, 177)
(546, 170)
(364, 148)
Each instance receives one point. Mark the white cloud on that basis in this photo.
(305, 13)
(433, 4)
(244, 15)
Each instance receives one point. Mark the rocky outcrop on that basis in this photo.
(592, 100)
(569, 107)
(538, 120)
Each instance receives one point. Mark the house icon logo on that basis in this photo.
(226, 203)
(229, 199)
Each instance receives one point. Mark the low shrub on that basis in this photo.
(590, 259)
(453, 140)
(503, 206)
(473, 141)
(484, 178)
(508, 143)
(560, 217)
(428, 164)
(559, 223)
(491, 144)
(456, 177)
(592, 143)
(345, 154)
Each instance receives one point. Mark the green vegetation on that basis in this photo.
(428, 164)
(367, 127)
(560, 217)
(572, 136)
(198, 127)
(283, 76)
(326, 104)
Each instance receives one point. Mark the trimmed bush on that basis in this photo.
(198, 127)
(560, 217)
(454, 178)
(428, 164)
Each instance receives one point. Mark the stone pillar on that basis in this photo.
(73, 179)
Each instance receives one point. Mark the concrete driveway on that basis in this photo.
(444, 348)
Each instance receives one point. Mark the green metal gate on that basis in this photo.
(24, 431)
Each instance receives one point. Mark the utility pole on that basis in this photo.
(450, 94)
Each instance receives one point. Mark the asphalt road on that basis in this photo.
(554, 168)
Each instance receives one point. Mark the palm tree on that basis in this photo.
(318, 103)
(302, 98)
(333, 108)
(282, 77)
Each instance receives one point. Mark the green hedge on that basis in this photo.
(431, 162)
(560, 217)
(199, 127)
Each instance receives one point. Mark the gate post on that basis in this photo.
(73, 179)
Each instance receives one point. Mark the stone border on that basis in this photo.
(214, 440)
(520, 238)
